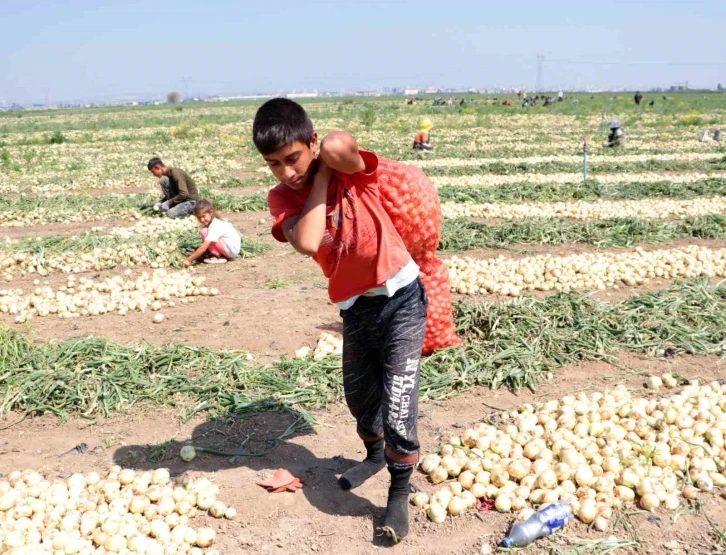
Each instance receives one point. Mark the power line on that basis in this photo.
(540, 71)
(633, 63)
(186, 80)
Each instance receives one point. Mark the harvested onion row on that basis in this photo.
(597, 452)
(155, 226)
(649, 209)
(567, 178)
(125, 512)
(114, 294)
(131, 254)
(40, 216)
(601, 270)
(565, 159)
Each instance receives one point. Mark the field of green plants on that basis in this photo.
(557, 280)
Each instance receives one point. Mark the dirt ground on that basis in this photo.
(271, 305)
(324, 519)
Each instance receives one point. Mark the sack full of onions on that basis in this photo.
(440, 328)
(410, 199)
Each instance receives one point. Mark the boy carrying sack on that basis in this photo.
(329, 208)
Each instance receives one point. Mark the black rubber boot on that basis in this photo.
(373, 463)
(395, 523)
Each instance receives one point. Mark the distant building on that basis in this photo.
(313, 94)
(409, 92)
(431, 90)
(240, 97)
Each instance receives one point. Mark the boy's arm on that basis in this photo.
(305, 232)
(339, 150)
(196, 254)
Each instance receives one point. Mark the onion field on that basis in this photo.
(592, 312)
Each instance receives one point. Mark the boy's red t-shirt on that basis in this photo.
(361, 248)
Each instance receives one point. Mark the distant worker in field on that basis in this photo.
(616, 138)
(638, 97)
(422, 140)
(178, 189)
(717, 134)
(560, 96)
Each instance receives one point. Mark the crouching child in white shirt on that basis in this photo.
(220, 240)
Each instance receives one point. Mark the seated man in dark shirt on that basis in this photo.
(178, 189)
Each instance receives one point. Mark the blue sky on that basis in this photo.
(92, 50)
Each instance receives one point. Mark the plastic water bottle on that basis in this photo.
(542, 523)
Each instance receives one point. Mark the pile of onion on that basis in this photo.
(87, 297)
(593, 271)
(595, 451)
(124, 512)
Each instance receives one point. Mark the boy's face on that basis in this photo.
(158, 171)
(293, 163)
(205, 218)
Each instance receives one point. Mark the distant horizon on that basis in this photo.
(334, 94)
(82, 51)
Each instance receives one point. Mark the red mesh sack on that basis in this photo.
(410, 199)
(440, 328)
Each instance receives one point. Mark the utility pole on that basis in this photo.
(540, 71)
(186, 80)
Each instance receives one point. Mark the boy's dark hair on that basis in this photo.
(153, 163)
(203, 205)
(279, 122)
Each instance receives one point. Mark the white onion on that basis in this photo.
(217, 509)
(547, 480)
(503, 504)
(420, 499)
(439, 475)
(437, 513)
(478, 490)
(205, 500)
(466, 479)
(588, 510)
(430, 462)
(455, 488)
(457, 506)
(601, 524)
(442, 497)
(649, 502)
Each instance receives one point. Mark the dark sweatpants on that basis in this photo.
(382, 342)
